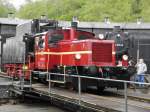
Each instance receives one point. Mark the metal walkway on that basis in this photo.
(96, 102)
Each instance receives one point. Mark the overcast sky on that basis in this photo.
(17, 3)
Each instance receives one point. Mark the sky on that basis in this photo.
(17, 3)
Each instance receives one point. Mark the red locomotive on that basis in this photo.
(71, 51)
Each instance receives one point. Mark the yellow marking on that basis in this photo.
(64, 53)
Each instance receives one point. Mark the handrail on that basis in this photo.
(105, 79)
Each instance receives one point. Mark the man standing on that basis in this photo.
(141, 69)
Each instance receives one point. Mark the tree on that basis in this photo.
(136, 7)
(5, 8)
(87, 10)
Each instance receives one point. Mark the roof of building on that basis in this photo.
(104, 25)
(101, 25)
(12, 21)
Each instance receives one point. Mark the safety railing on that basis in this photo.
(79, 85)
(21, 80)
(95, 78)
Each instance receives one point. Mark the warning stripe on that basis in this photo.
(64, 53)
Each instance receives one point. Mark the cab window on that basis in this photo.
(39, 42)
(55, 38)
(84, 35)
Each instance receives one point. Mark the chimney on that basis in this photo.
(10, 15)
(74, 25)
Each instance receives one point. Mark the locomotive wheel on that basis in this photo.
(131, 70)
(56, 84)
(83, 84)
(69, 85)
(100, 89)
(100, 86)
(42, 80)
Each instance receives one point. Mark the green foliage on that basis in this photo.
(87, 10)
(136, 6)
(6, 8)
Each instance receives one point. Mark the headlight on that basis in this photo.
(101, 36)
(118, 35)
(78, 56)
(113, 52)
(125, 57)
(25, 67)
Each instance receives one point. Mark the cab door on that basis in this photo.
(40, 56)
